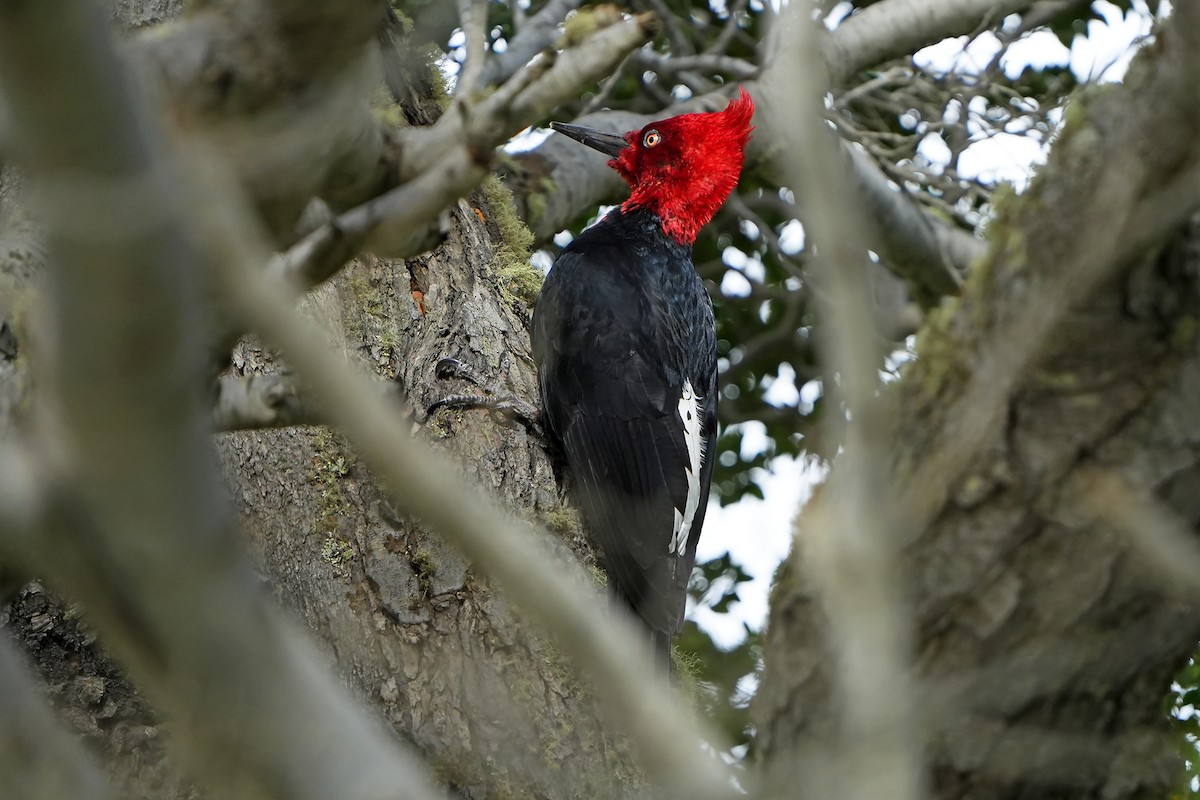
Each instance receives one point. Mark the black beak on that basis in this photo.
(610, 144)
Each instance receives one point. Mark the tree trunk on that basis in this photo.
(1044, 640)
(410, 626)
(1043, 645)
(485, 699)
(407, 622)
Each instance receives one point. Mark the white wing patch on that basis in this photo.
(693, 437)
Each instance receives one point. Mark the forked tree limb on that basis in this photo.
(1043, 642)
(149, 545)
(201, 639)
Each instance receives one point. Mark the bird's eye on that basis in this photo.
(651, 139)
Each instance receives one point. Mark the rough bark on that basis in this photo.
(411, 625)
(92, 696)
(133, 14)
(481, 696)
(1045, 646)
(1061, 384)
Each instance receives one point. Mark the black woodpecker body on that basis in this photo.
(625, 347)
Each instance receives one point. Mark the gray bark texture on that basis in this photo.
(1044, 636)
(405, 620)
(1045, 455)
(1044, 645)
(410, 624)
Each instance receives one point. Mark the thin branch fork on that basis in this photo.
(459, 148)
(534, 35)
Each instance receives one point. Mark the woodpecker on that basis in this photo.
(625, 348)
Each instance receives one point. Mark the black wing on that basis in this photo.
(613, 356)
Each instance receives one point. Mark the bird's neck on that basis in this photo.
(682, 212)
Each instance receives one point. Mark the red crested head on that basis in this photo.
(681, 168)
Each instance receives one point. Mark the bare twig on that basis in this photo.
(721, 43)
(472, 16)
(454, 156)
(680, 44)
(929, 255)
(736, 68)
(536, 34)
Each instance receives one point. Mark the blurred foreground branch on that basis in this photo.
(1059, 359)
(243, 690)
(868, 747)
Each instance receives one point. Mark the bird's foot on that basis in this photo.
(497, 400)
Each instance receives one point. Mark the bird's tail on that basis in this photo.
(660, 641)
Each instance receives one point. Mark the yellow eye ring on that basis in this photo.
(651, 139)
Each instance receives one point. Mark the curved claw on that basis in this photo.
(456, 401)
(447, 368)
(497, 401)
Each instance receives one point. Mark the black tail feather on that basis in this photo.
(661, 643)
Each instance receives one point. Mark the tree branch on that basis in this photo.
(895, 28)
(451, 158)
(927, 253)
(738, 69)
(261, 401)
(472, 17)
(282, 99)
(538, 33)
(276, 401)
(849, 543)
(139, 529)
(993, 451)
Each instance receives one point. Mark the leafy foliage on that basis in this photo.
(724, 678)
(1184, 708)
